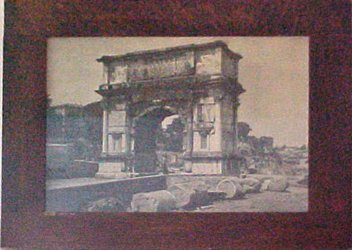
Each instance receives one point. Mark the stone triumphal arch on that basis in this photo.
(197, 82)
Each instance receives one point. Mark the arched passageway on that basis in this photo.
(150, 136)
(199, 82)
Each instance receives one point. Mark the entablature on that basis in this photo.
(203, 60)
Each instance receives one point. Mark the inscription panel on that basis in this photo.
(159, 67)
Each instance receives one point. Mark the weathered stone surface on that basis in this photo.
(190, 194)
(278, 184)
(188, 167)
(106, 204)
(158, 201)
(161, 82)
(250, 185)
(231, 188)
(265, 185)
(216, 195)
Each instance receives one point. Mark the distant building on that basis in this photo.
(63, 123)
(266, 143)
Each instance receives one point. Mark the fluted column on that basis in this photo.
(128, 131)
(190, 129)
(235, 126)
(105, 131)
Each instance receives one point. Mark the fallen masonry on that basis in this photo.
(190, 194)
(231, 188)
(198, 194)
(163, 193)
(156, 201)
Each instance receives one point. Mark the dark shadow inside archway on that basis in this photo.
(151, 139)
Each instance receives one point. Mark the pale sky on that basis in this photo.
(273, 70)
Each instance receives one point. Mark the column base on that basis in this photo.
(207, 167)
(126, 165)
(212, 163)
(111, 170)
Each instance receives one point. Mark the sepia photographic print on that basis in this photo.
(177, 124)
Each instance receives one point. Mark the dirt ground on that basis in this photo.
(294, 199)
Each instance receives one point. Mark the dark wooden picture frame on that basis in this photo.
(28, 25)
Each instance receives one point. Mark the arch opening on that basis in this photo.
(158, 140)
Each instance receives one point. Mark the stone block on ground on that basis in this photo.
(110, 204)
(157, 201)
(264, 186)
(279, 184)
(190, 194)
(216, 195)
(231, 187)
(250, 185)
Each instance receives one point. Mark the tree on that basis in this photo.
(243, 131)
(172, 137)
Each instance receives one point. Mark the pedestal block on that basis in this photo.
(114, 166)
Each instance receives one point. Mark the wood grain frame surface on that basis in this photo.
(29, 23)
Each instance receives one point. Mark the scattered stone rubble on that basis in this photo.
(110, 204)
(262, 157)
(192, 195)
(231, 187)
(278, 185)
(157, 201)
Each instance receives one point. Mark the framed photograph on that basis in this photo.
(165, 127)
(184, 125)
